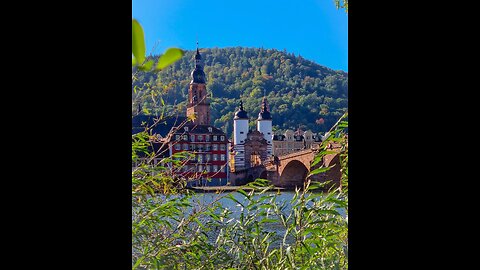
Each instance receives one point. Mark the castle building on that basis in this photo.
(207, 144)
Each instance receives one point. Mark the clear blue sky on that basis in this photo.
(315, 29)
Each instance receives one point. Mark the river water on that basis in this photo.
(201, 199)
(236, 208)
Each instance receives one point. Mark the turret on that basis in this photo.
(264, 125)
(240, 126)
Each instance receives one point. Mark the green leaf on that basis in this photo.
(147, 66)
(320, 170)
(316, 160)
(134, 61)
(230, 196)
(268, 220)
(169, 57)
(241, 191)
(138, 42)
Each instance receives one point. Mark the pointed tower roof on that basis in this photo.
(198, 76)
(197, 55)
(241, 114)
(264, 113)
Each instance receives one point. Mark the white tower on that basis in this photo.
(264, 125)
(240, 130)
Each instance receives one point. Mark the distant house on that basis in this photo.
(291, 141)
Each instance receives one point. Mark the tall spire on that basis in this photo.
(198, 57)
(198, 76)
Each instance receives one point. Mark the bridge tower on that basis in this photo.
(264, 125)
(240, 130)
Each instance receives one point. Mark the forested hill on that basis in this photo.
(300, 92)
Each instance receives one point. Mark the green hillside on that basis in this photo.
(300, 92)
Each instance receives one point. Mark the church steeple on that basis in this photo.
(198, 104)
(198, 76)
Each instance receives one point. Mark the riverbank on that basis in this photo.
(218, 189)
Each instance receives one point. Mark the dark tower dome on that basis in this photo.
(241, 114)
(264, 113)
(198, 76)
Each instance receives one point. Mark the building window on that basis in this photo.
(200, 168)
(215, 147)
(200, 138)
(241, 152)
(222, 157)
(222, 147)
(215, 157)
(241, 159)
(222, 138)
(177, 137)
(185, 146)
(241, 132)
(192, 138)
(208, 147)
(215, 138)
(185, 137)
(207, 138)
(207, 168)
(200, 158)
(207, 157)
(186, 129)
(200, 147)
(178, 147)
(241, 141)
(268, 133)
(192, 147)
(209, 129)
(215, 168)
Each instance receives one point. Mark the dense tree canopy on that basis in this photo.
(300, 92)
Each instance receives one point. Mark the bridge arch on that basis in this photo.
(334, 175)
(293, 174)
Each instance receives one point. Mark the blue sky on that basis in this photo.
(315, 29)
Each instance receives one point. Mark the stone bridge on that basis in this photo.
(291, 170)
